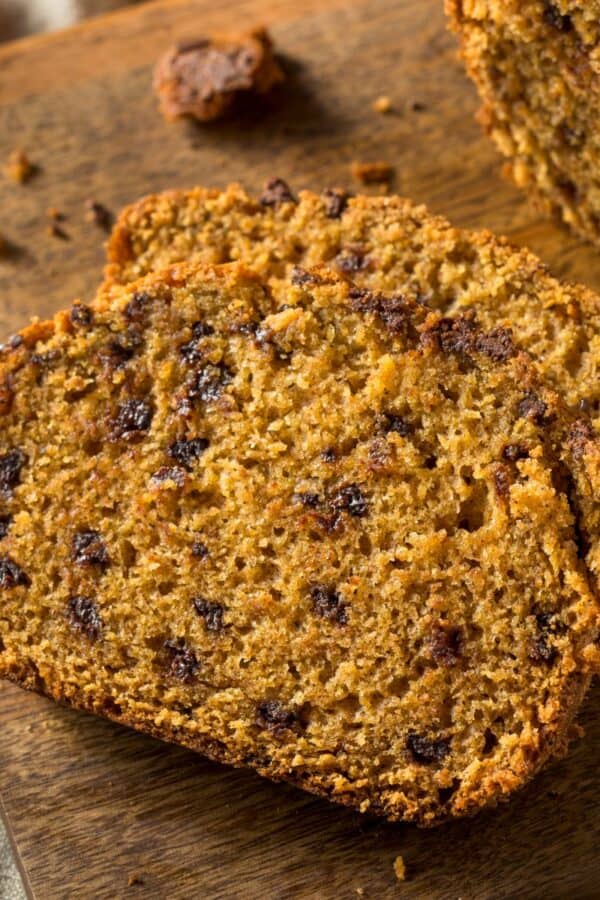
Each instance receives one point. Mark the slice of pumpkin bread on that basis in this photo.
(536, 66)
(323, 535)
(387, 244)
(383, 243)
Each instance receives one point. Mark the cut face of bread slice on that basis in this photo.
(326, 538)
(384, 244)
(387, 244)
(535, 64)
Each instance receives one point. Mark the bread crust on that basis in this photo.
(497, 791)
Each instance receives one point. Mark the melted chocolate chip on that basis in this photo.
(11, 464)
(4, 525)
(310, 499)
(81, 315)
(302, 276)
(207, 385)
(183, 662)
(445, 645)
(502, 477)
(379, 454)
(83, 616)
(275, 192)
(133, 417)
(515, 452)
(460, 335)
(11, 574)
(89, 549)
(191, 353)
(199, 550)
(335, 201)
(202, 329)
(392, 309)
(327, 604)
(426, 751)
(533, 408)
(353, 258)
(554, 18)
(350, 499)
(169, 473)
(581, 433)
(116, 355)
(137, 307)
(272, 716)
(391, 423)
(452, 335)
(329, 522)
(44, 360)
(497, 344)
(541, 650)
(185, 452)
(212, 613)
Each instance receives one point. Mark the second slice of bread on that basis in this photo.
(389, 244)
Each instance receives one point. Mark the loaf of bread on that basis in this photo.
(535, 64)
(324, 532)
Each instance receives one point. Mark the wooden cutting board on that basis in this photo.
(92, 806)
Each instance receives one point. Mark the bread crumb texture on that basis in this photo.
(204, 78)
(399, 868)
(382, 104)
(387, 244)
(536, 66)
(19, 167)
(318, 531)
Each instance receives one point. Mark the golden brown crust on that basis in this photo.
(498, 790)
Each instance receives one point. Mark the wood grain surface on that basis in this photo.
(91, 805)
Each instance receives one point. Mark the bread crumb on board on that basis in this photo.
(98, 214)
(55, 229)
(400, 868)
(372, 172)
(202, 78)
(382, 105)
(19, 167)
(134, 879)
